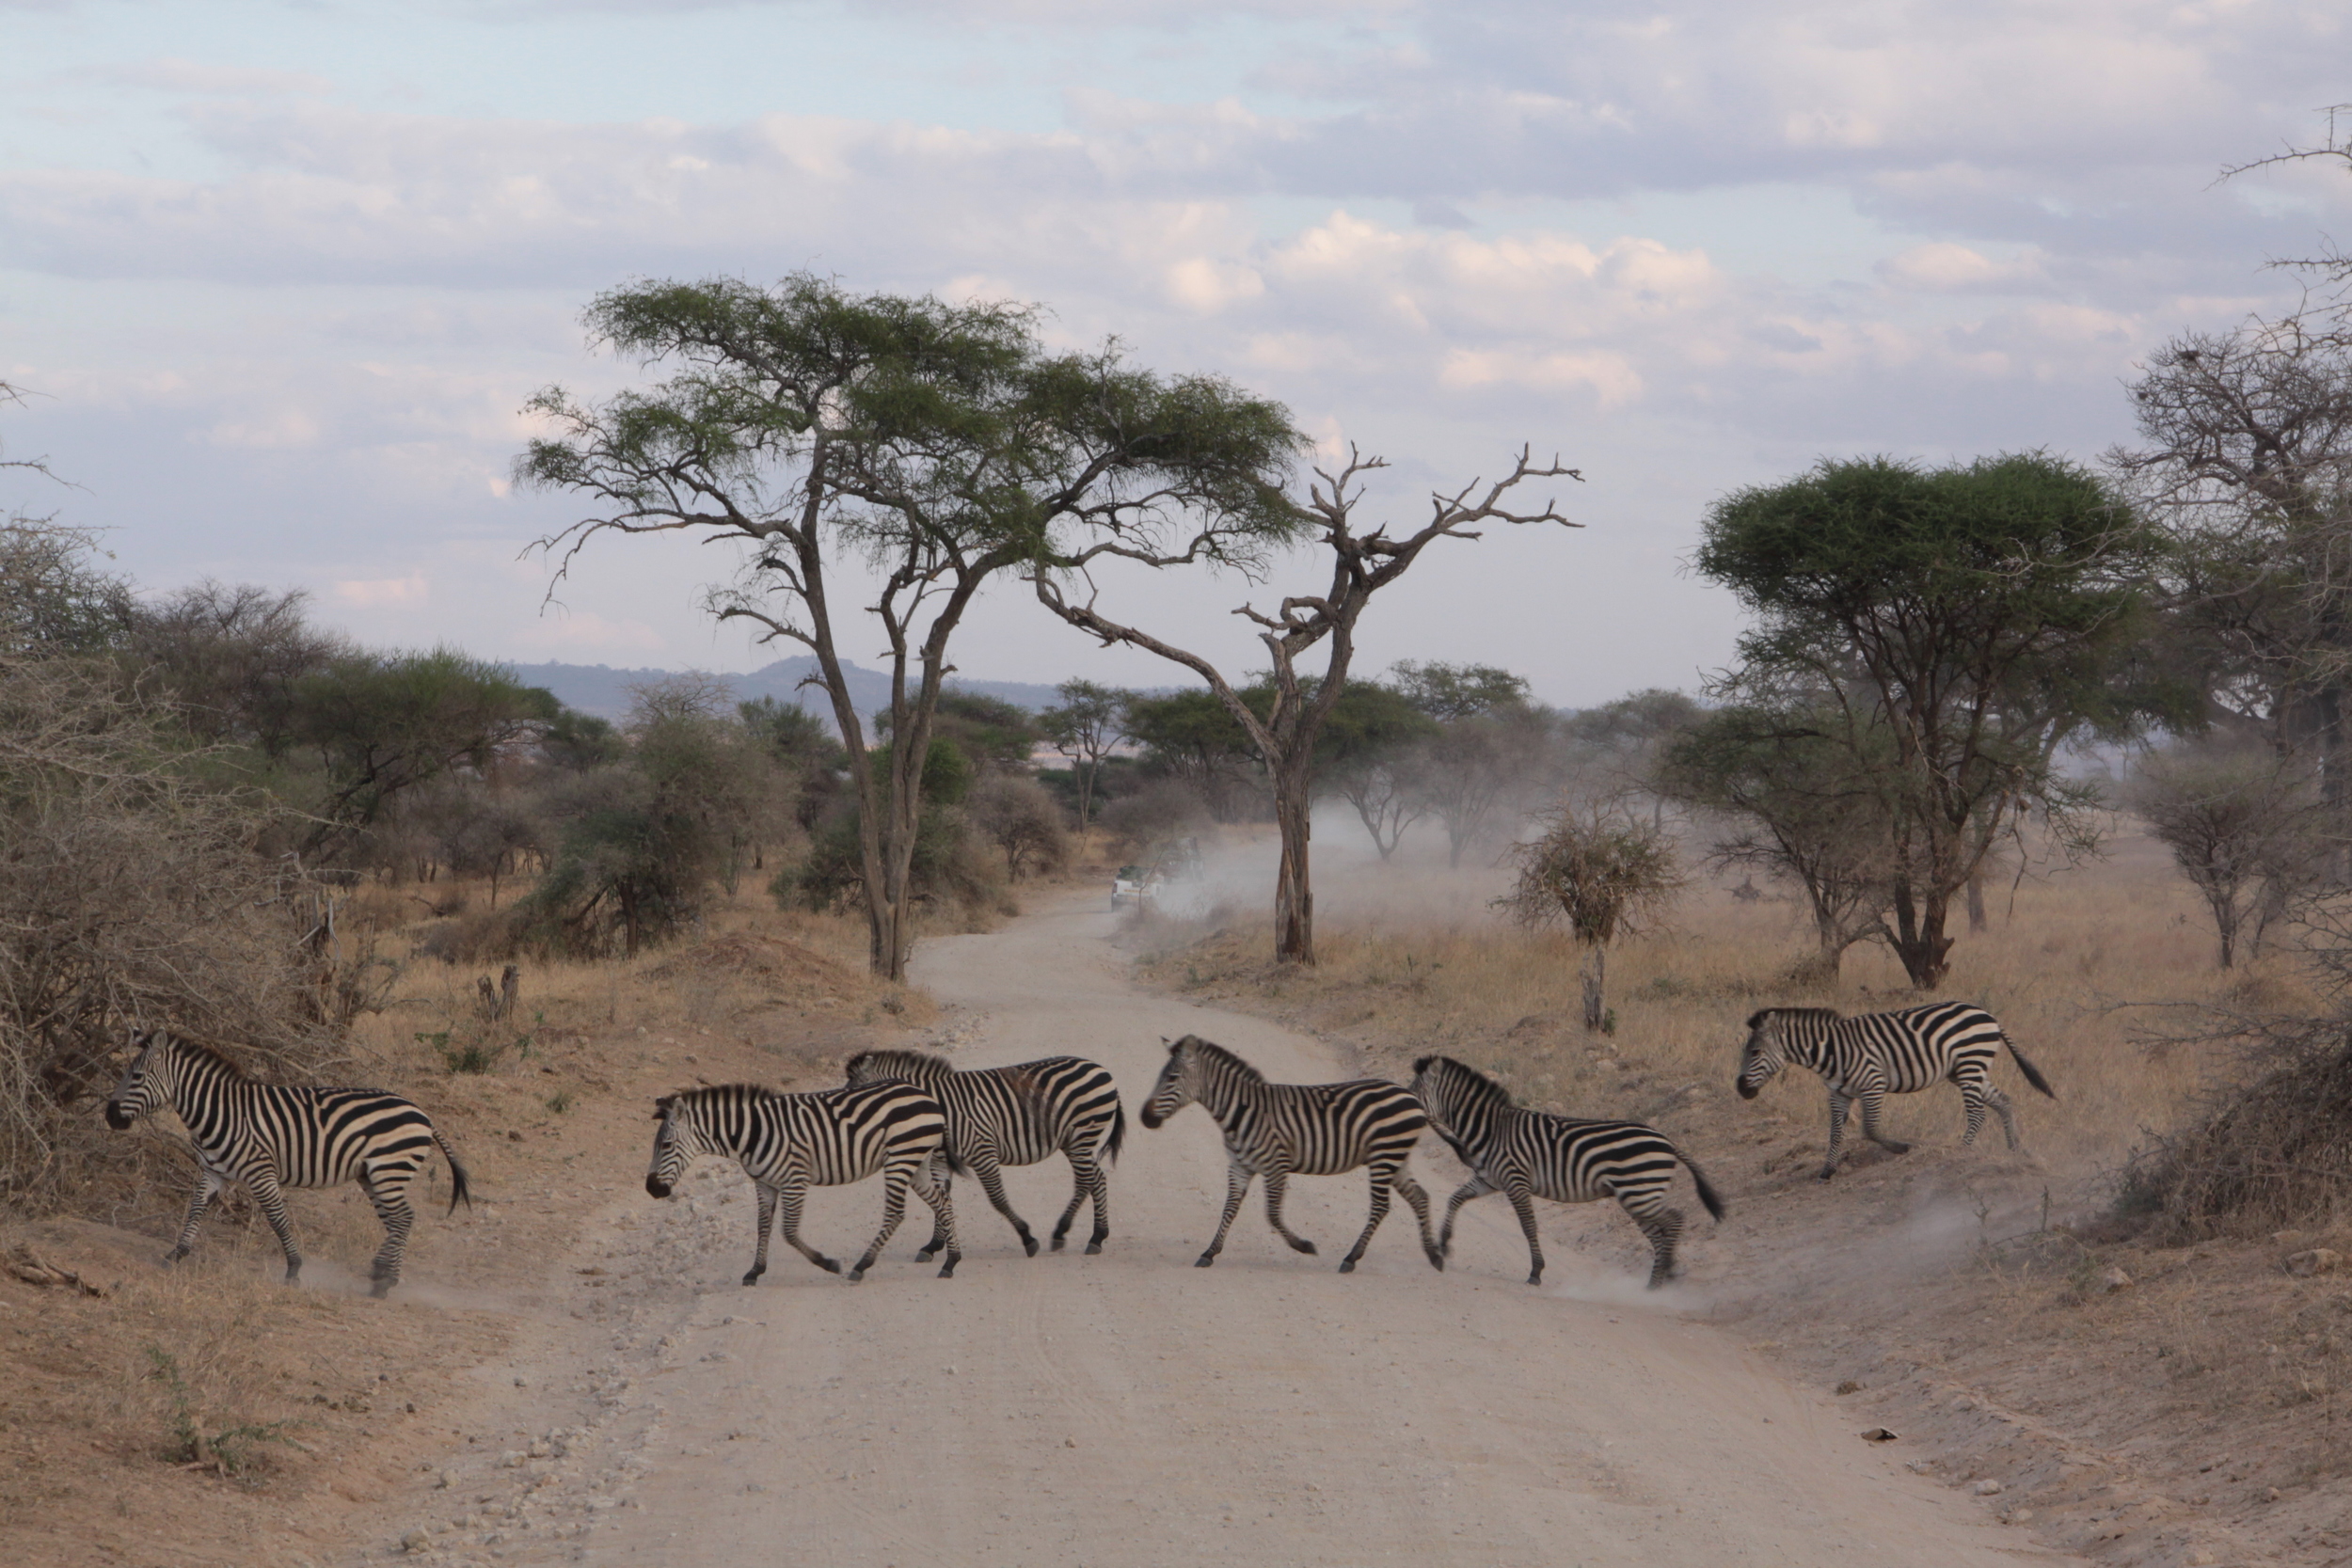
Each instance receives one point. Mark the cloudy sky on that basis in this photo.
(280, 275)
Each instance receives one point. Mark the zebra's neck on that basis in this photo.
(1224, 1093)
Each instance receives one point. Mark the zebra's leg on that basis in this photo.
(896, 1179)
(1381, 1177)
(1663, 1226)
(262, 1183)
(1838, 1104)
(1523, 1204)
(1090, 1180)
(1278, 1183)
(387, 1190)
(1873, 1101)
(1477, 1186)
(992, 1174)
(766, 1195)
(937, 1169)
(1972, 1098)
(930, 1185)
(1236, 1188)
(791, 1194)
(1418, 1201)
(2000, 1102)
(208, 1187)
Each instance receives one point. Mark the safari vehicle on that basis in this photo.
(1140, 885)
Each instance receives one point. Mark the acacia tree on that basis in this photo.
(931, 445)
(1975, 616)
(2241, 827)
(1361, 564)
(1375, 757)
(1603, 873)
(1490, 745)
(1805, 803)
(1085, 728)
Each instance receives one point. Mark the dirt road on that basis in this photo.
(1131, 1409)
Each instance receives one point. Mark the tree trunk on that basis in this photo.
(1976, 922)
(1919, 939)
(1594, 974)
(1294, 893)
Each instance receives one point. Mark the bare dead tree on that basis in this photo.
(1360, 564)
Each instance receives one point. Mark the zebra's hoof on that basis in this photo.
(1437, 1259)
(949, 1271)
(1347, 1265)
(1535, 1279)
(1300, 1243)
(828, 1265)
(924, 1255)
(857, 1273)
(1028, 1246)
(1893, 1147)
(1825, 1173)
(1204, 1260)
(1061, 1238)
(1094, 1249)
(380, 1289)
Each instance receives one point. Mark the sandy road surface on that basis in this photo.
(1131, 1409)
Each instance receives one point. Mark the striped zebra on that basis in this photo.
(788, 1142)
(1017, 1116)
(1529, 1154)
(273, 1136)
(1869, 1058)
(1278, 1130)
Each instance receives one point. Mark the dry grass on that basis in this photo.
(303, 1403)
(1945, 1284)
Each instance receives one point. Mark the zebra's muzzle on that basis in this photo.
(657, 1187)
(116, 1117)
(1748, 1090)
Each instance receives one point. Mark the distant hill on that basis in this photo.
(600, 690)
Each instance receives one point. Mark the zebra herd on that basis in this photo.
(916, 1120)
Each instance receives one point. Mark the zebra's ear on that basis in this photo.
(1755, 1019)
(1421, 1064)
(1170, 1043)
(661, 1106)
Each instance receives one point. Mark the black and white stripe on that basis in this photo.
(273, 1136)
(1526, 1154)
(1018, 1115)
(1869, 1058)
(1278, 1130)
(788, 1142)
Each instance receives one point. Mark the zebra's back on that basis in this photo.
(1919, 1047)
(314, 1138)
(1031, 1109)
(1329, 1128)
(847, 1134)
(1572, 1160)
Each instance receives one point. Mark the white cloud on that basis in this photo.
(406, 592)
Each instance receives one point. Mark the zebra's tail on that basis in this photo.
(458, 1189)
(1108, 1153)
(2033, 1073)
(1698, 1179)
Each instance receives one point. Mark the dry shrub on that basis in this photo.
(130, 895)
(2276, 1150)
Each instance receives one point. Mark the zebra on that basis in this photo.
(1530, 1154)
(1017, 1116)
(1278, 1130)
(272, 1136)
(1869, 1058)
(787, 1143)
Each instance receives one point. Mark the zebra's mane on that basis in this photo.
(687, 1099)
(1809, 1015)
(919, 1066)
(210, 1056)
(1217, 1052)
(1468, 1081)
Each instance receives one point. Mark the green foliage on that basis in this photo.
(947, 771)
(1597, 870)
(1978, 616)
(947, 865)
(622, 872)
(228, 1450)
(1452, 691)
(385, 722)
(989, 731)
(575, 742)
(472, 1055)
(1371, 722)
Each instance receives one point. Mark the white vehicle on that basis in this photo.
(1135, 885)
